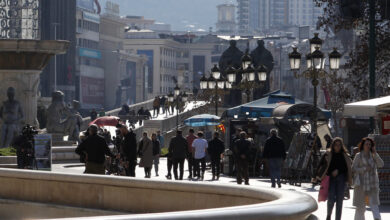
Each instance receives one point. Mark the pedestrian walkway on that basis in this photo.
(348, 210)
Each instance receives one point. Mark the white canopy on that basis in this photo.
(367, 108)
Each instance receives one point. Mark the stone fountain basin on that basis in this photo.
(151, 199)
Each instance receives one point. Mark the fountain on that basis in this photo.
(22, 55)
(21, 62)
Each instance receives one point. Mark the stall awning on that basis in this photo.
(264, 107)
(367, 108)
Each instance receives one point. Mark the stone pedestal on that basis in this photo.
(21, 62)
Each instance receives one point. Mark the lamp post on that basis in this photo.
(249, 79)
(214, 82)
(178, 95)
(315, 64)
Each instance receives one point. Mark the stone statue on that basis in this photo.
(232, 56)
(262, 56)
(11, 114)
(62, 119)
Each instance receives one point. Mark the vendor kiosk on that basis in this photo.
(379, 109)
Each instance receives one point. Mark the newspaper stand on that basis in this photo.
(382, 143)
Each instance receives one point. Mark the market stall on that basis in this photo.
(277, 110)
(379, 109)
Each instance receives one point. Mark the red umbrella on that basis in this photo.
(106, 121)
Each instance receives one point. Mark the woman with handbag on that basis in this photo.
(335, 164)
(366, 180)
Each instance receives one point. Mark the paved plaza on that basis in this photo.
(348, 210)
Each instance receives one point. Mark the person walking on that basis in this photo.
(336, 164)
(328, 140)
(215, 149)
(128, 149)
(95, 148)
(241, 153)
(156, 106)
(93, 114)
(167, 108)
(156, 152)
(199, 147)
(190, 157)
(169, 166)
(141, 113)
(366, 181)
(146, 154)
(162, 103)
(274, 152)
(178, 149)
(160, 138)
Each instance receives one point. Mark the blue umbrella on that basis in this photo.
(202, 120)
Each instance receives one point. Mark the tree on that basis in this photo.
(336, 20)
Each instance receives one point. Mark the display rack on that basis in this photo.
(382, 143)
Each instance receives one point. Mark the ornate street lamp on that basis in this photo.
(334, 59)
(231, 74)
(262, 73)
(317, 58)
(212, 82)
(177, 90)
(203, 82)
(182, 97)
(215, 72)
(315, 63)
(309, 64)
(250, 73)
(246, 60)
(315, 42)
(295, 59)
(170, 97)
(221, 83)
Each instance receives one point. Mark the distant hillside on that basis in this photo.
(181, 14)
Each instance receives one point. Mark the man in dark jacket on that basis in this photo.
(215, 149)
(95, 148)
(241, 153)
(179, 151)
(129, 149)
(275, 152)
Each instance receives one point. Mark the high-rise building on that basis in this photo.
(265, 15)
(258, 16)
(279, 13)
(226, 19)
(243, 16)
(303, 12)
(58, 21)
(79, 72)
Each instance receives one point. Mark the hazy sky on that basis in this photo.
(181, 14)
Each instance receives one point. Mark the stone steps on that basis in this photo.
(12, 165)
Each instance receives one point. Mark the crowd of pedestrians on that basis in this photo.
(335, 165)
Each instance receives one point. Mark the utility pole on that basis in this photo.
(372, 55)
(55, 57)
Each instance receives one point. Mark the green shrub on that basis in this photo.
(8, 151)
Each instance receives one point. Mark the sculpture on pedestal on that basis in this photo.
(63, 120)
(11, 114)
(232, 56)
(262, 56)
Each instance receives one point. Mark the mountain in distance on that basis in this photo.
(182, 15)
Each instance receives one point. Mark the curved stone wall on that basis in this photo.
(137, 196)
